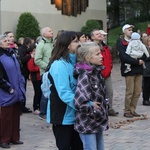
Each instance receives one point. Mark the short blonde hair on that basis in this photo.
(85, 50)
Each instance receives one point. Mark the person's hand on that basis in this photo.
(96, 105)
(141, 62)
(32, 55)
(11, 91)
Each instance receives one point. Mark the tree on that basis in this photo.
(27, 26)
(90, 25)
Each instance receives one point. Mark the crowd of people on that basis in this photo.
(80, 90)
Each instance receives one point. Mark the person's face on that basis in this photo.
(148, 42)
(5, 43)
(11, 38)
(96, 36)
(96, 57)
(73, 45)
(48, 33)
(128, 32)
(144, 35)
(82, 39)
(103, 37)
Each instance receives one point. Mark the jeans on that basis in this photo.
(43, 105)
(94, 141)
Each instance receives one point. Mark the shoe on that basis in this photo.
(128, 115)
(36, 112)
(136, 115)
(26, 110)
(5, 145)
(16, 142)
(111, 112)
(146, 103)
(42, 117)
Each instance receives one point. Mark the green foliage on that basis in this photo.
(114, 33)
(90, 25)
(27, 26)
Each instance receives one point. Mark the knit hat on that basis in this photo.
(135, 36)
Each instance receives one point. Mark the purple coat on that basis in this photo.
(10, 78)
(90, 88)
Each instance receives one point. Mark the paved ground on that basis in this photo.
(124, 134)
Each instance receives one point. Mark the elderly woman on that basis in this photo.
(12, 92)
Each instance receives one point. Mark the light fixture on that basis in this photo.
(71, 7)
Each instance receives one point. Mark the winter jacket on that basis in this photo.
(34, 70)
(90, 88)
(136, 69)
(146, 70)
(24, 57)
(148, 31)
(10, 78)
(43, 53)
(107, 61)
(62, 110)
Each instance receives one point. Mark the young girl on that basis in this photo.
(62, 110)
(90, 97)
(36, 80)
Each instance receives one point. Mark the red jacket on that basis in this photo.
(148, 31)
(107, 62)
(34, 70)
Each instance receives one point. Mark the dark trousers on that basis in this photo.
(43, 104)
(37, 94)
(146, 89)
(23, 104)
(10, 123)
(67, 138)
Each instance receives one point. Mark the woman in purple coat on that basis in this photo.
(12, 92)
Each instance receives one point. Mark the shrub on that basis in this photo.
(27, 26)
(90, 25)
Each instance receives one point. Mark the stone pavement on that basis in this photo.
(132, 135)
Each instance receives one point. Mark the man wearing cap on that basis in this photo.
(100, 36)
(133, 79)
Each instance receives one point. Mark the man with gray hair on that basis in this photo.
(99, 36)
(42, 55)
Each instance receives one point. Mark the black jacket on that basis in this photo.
(24, 56)
(136, 69)
(146, 71)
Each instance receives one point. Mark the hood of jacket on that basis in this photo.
(82, 67)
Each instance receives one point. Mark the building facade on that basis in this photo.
(47, 14)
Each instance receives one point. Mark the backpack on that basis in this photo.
(46, 84)
(107, 62)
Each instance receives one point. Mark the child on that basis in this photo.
(135, 49)
(90, 97)
(36, 80)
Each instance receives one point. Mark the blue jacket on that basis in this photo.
(62, 110)
(10, 78)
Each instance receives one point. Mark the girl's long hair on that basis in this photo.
(61, 46)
